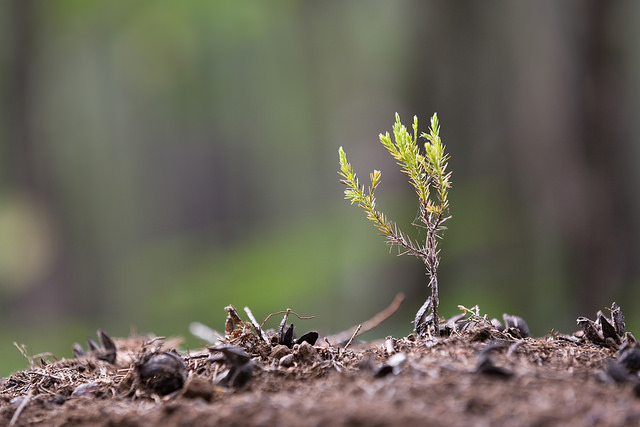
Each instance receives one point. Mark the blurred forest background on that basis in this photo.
(161, 160)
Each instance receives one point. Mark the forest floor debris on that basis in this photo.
(476, 376)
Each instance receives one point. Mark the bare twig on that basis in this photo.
(23, 350)
(256, 325)
(288, 311)
(46, 375)
(23, 404)
(204, 332)
(282, 326)
(153, 340)
(44, 356)
(352, 337)
(371, 323)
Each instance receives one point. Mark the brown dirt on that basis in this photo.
(541, 381)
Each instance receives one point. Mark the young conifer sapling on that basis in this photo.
(427, 171)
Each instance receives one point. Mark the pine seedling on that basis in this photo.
(427, 171)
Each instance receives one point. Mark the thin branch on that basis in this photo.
(352, 337)
(23, 350)
(23, 404)
(372, 323)
(256, 325)
(288, 311)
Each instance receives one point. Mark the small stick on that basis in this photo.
(373, 322)
(352, 337)
(215, 371)
(152, 340)
(23, 404)
(288, 311)
(205, 333)
(283, 324)
(44, 374)
(44, 355)
(196, 356)
(256, 325)
(23, 350)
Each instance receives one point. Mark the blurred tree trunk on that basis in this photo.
(607, 245)
(21, 169)
(553, 70)
(26, 173)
